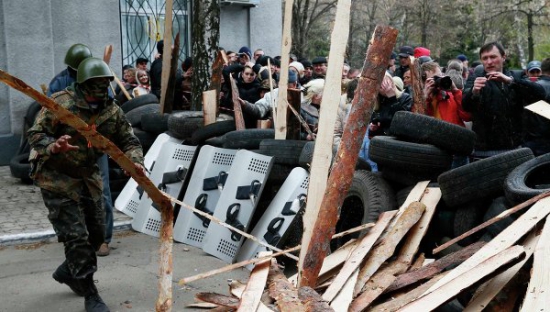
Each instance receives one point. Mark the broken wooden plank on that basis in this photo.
(537, 297)
(419, 104)
(447, 291)
(218, 299)
(284, 293)
(434, 268)
(485, 224)
(312, 300)
(237, 109)
(322, 218)
(505, 239)
(217, 67)
(541, 108)
(396, 303)
(250, 298)
(418, 263)
(209, 106)
(430, 198)
(357, 255)
(486, 292)
(377, 284)
(343, 299)
(166, 55)
(386, 248)
(237, 288)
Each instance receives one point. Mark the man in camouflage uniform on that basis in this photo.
(64, 166)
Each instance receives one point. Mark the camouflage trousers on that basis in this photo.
(80, 226)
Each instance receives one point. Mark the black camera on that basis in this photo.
(443, 83)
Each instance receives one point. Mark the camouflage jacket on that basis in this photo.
(67, 173)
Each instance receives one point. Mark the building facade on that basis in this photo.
(35, 35)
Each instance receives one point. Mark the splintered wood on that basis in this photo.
(385, 271)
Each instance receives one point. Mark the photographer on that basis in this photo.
(443, 98)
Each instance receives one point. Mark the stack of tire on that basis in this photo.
(422, 148)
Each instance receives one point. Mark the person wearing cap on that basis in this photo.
(405, 52)
(319, 67)
(495, 96)
(464, 59)
(308, 71)
(421, 51)
(262, 108)
(298, 68)
(533, 70)
(141, 63)
(63, 166)
(244, 55)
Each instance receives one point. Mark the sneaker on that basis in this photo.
(104, 250)
(94, 303)
(63, 276)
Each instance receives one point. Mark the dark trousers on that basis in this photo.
(80, 226)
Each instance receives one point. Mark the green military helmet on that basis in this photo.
(93, 67)
(76, 54)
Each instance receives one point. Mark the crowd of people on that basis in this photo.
(73, 175)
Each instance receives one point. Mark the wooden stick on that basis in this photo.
(376, 285)
(273, 106)
(234, 266)
(302, 121)
(434, 268)
(107, 59)
(485, 224)
(321, 212)
(282, 291)
(217, 67)
(237, 288)
(432, 300)
(237, 109)
(166, 54)
(209, 106)
(219, 299)
(280, 126)
(44, 88)
(167, 98)
(227, 226)
(121, 86)
(118, 156)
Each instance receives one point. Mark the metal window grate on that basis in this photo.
(142, 26)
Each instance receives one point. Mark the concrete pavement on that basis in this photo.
(23, 216)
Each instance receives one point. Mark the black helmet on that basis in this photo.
(76, 54)
(93, 67)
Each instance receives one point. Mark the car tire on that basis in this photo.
(528, 180)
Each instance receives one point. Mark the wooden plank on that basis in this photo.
(284, 293)
(418, 263)
(344, 298)
(237, 109)
(541, 108)
(434, 268)
(107, 53)
(386, 248)
(202, 305)
(486, 292)
(320, 220)
(415, 195)
(434, 299)
(412, 242)
(237, 288)
(505, 239)
(286, 45)
(218, 299)
(166, 53)
(485, 224)
(357, 255)
(419, 105)
(537, 297)
(217, 67)
(250, 299)
(396, 303)
(312, 300)
(209, 106)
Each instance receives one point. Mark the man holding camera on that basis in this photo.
(443, 98)
(496, 98)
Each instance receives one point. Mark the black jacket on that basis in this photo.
(537, 128)
(387, 108)
(497, 112)
(249, 92)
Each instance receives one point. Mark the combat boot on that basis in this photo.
(92, 300)
(63, 276)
